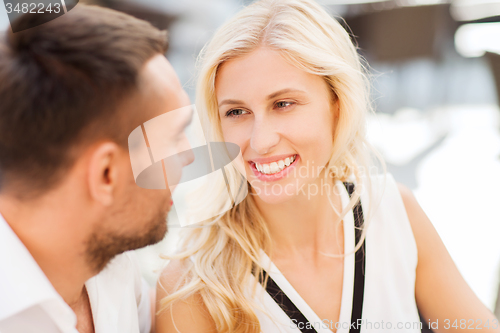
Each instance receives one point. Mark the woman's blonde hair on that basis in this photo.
(225, 252)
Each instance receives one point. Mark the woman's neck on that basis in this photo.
(303, 225)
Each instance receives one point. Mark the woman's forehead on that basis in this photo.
(262, 72)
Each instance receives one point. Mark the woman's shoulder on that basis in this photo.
(386, 186)
(397, 208)
(379, 179)
(385, 202)
(185, 313)
(372, 180)
(377, 190)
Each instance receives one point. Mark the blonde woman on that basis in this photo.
(322, 243)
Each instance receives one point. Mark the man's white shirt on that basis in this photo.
(119, 296)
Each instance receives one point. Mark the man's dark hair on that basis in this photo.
(61, 84)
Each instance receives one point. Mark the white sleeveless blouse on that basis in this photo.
(390, 263)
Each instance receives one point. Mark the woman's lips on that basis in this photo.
(276, 176)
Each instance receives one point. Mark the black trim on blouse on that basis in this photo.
(294, 313)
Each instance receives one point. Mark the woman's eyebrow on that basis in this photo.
(271, 96)
(284, 91)
(230, 101)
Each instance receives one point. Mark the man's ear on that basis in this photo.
(103, 172)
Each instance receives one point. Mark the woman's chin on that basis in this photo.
(273, 194)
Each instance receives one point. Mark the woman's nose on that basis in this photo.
(264, 135)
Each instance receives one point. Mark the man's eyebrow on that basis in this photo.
(271, 96)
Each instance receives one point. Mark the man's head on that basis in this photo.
(71, 91)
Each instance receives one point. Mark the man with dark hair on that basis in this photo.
(71, 91)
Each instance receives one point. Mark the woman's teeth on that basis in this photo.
(275, 167)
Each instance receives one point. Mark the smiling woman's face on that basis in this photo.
(281, 117)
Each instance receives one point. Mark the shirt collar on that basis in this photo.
(22, 282)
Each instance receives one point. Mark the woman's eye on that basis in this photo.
(283, 104)
(235, 113)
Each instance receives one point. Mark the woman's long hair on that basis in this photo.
(225, 252)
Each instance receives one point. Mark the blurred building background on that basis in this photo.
(435, 69)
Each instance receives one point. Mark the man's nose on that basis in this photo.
(264, 135)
